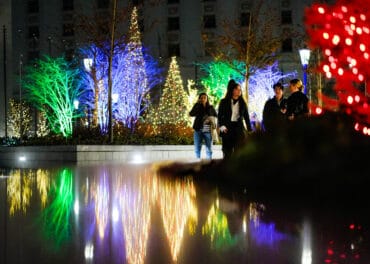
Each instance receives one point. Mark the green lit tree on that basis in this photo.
(52, 86)
(172, 108)
(19, 118)
(218, 74)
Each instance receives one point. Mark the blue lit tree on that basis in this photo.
(95, 81)
(134, 74)
(260, 88)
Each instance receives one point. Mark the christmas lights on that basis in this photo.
(342, 33)
(52, 86)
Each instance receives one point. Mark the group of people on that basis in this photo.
(278, 109)
(233, 113)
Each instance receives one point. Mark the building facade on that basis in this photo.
(169, 27)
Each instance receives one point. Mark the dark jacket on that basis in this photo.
(297, 104)
(272, 115)
(224, 113)
(200, 112)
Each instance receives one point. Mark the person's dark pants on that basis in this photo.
(232, 139)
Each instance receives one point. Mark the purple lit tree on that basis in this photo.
(260, 88)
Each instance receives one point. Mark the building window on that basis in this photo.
(286, 17)
(285, 3)
(173, 50)
(245, 19)
(173, 23)
(287, 45)
(209, 21)
(209, 8)
(33, 32)
(173, 1)
(137, 2)
(68, 30)
(67, 5)
(33, 6)
(103, 3)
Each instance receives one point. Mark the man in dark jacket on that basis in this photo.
(275, 109)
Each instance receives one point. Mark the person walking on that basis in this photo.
(297, 103)
(205, 120)
(274, 110)
(231, 113)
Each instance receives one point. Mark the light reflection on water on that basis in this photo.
(131, 214)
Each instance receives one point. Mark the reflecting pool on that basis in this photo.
(130, 213)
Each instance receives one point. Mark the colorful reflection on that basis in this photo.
(56, 216)
(135, 196)
(178, 207)
(19, 190)
(117, 217)
(348, 247)
(43, 185)
(217, 228)
(100, 194)
(265, 234)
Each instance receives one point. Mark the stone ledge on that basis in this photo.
(94, 153)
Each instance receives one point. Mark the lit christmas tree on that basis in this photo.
(341, 31)
(172, 108)
(19, 119)
(42, 125)
(133, 94)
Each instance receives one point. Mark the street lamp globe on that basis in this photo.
(76, 104)
(305, 56)
(88, 64)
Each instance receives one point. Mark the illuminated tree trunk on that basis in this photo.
(96, 98)
(247, 62)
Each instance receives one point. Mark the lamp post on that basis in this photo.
(111, 53)
(305, 57)
(50, 39)
(20, 98)
(5, 83)
(76, 103)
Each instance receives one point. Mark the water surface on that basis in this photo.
(129, 213)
